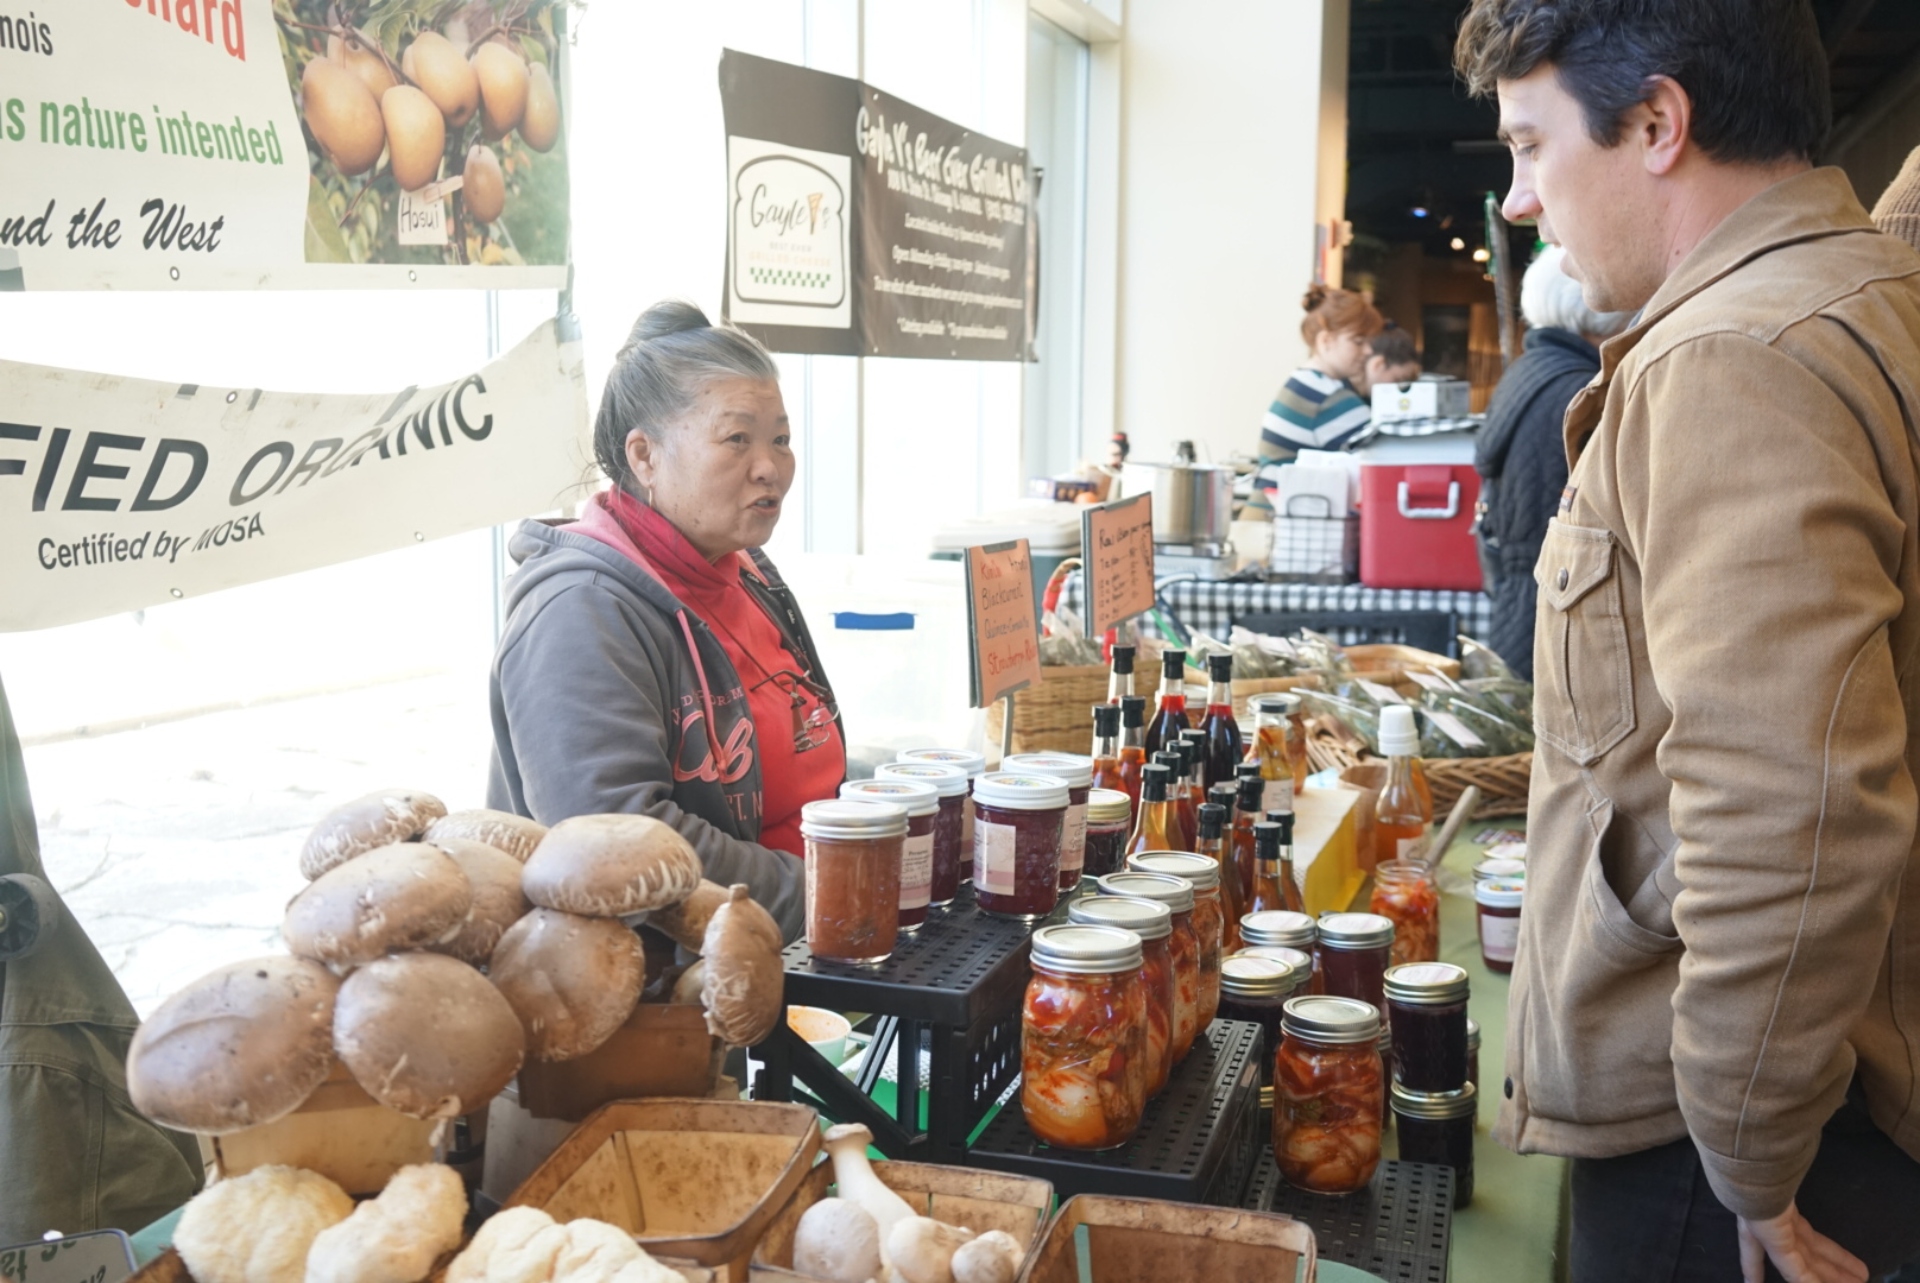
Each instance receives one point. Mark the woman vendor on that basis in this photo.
(1318, 408)
(653, 661)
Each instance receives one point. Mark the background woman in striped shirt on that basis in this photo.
(1318, 409)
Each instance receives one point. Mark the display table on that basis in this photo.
(1212, 605)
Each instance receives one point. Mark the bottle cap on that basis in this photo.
(852, 821)
(1133, 710)
(1088, 950)
(1173, 663)
(1213, 820)
(1108, 806)
(1246, 771)
(1123, 660)
(1193, 735)
(1399, 737)
(1021, 791)
(1199, 870)
(1169, 757)
(1220, 665)
(1285, 820)
(1221, 795)
(1106, 720)
(947, 781)
(1252, 789)
(1278, 704)
(1076, 770)
(1148, 919)
(1473, 1034)
(1153, 782)
(918, 797)
(1331, 1020)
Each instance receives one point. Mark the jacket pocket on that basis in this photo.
(1583, 701)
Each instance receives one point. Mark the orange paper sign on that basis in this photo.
(1116, 553)
(1006, 639)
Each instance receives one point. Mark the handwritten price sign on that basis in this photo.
(102, 1256)
(1005, 636)
(1116, 550)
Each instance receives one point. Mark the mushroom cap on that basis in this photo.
(426, 1035)
(601, 866)
(405, 896)
(241, 1046)
(744, 977)
(502, 830)
(497, 900)
(572, 980)
(685, 923)
(377, 819)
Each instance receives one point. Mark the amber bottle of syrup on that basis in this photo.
(1213, 845)
(1133, 746)
(1289, 885)
(1178, 799)
(1106, 748)
(1400, 815)
(1245, 815)
(1273, 865)
(1157, 824)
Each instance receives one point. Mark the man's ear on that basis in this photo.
(1661, 126)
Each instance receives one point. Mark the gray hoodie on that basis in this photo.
(610, 695)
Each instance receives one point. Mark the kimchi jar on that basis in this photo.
(1354, 951)
(1328, 1095)
(1077, 771)
(949, 823)
(1209, 915)
(1282, 928)
(916, 855)
(1082, 1029)
(1405, 893)
(1153, 923)
(1183, 944)
(853, 878)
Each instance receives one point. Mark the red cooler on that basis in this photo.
(1416, 524)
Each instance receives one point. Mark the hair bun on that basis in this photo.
(1316, 295)
(670, 316)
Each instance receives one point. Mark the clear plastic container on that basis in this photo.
(916, 854)
(1082, 1030)
(854, 851)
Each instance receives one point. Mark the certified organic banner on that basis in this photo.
(302, 144)
(859, 224)
(116, 494)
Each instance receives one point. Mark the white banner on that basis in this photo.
(116, 494)
(228, 144)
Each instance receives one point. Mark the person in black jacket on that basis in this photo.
(1521, 457)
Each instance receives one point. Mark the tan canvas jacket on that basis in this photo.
(1719, 922)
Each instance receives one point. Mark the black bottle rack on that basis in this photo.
(1400, 1227)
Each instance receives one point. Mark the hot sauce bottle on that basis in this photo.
(1107, 772)
(1133, 746)
(1156, 826)
(1172, 717)
(1246, 814)
(1222, 731)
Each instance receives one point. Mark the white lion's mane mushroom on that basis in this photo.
(498, 902)
(426, 1035)
(744, 975)
(399, 897)
(571, 980)
(378, 819)
(237, 1048)
(502, 830)
(602, 866)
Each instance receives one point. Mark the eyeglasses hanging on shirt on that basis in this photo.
(813, 729)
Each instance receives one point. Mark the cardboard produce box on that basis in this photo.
(1144, 1240)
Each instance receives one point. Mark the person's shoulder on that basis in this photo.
(1310, 383)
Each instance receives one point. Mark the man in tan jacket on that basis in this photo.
(1715, 1009)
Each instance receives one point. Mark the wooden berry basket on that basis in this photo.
(340, 1132)
(1144, 1240)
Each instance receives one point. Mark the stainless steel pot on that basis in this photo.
(1192, 503)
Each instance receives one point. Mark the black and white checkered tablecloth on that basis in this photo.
(1427, 427)
(1211, 606)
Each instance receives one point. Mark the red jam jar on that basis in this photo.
(1498, 904)
(1427, 1009)
(1437, 1127)
(1018, 819)
(1283, 928)
(1152, 921)
(853, 878)
(1254, 989)
(1077, 771)
(1328, 1095)
(1355, 950)
(916, 856)
(1082, 1027)
(1209, 915)
(949, 826)
(971, 764)
(1184, 944)
(1109, 822)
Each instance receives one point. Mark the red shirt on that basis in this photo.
(789, 777)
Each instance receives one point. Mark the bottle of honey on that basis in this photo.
(1404, 809)
(1106, 748)
(1133, 746)
(1246, 813)
(1157, 825)
(1213, 845)
(1179, 801)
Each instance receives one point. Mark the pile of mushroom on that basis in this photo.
(432, 953)
(869, 1233)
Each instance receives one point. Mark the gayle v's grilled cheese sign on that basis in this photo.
(117, 494)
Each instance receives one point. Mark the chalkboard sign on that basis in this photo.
(103, 1256)
(1116, 556)
(1004, 637)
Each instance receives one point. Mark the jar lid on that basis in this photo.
(1473, 1034)
(1279, 703)
(919, 798)
(856, 821)
(1250, 977)
(1148, 919)
(966, 759)
(1086, 950)
(1076, 770)
(1331, 1020)
(1501, 893)
(1175, 893)
(1501, 868)
(1427, 984)
(947, 779)
(1279, 926)
(1356, 931)
(1197, 869)
(1435, 1104)
(1300, 960)
(1108, 806)
(1021, 791)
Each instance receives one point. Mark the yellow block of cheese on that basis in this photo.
(1326, 848)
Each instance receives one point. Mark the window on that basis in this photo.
(1057, 66)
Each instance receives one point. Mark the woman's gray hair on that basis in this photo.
(1551, 298)
(670, 354)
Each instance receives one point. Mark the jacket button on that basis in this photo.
(1560, 580)
(1509, 1089)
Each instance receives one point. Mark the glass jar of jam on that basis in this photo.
(1498, 906)
(1427, 1010)
(1473, 1053)
(1405, 893)
(1018, 819)
(949, 783)
(1327, 1091)
(1082, 1027)
(1437, 1127)
(1502, 868)
(916, 854)
(1254, 989)
(972, 765)
(1077, 771)
(1355, 950)
(1209, 915)
(1280, 747)
(853, 878)
(1288, 930)
(1152, 921)
(1184, 944)
(1109, 821)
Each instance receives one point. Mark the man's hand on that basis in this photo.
(1801, 1253)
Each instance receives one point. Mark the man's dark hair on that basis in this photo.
(1755, 69)
(1395, 346)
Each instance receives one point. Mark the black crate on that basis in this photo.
(1400, 1227)
(1196, 1144)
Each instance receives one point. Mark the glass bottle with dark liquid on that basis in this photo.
(1222, 731)
(1133, 746)
(1172, 717)
(1156, 826)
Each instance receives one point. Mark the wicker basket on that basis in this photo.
(1388, 664)
(1055, 716)
(1244, 691)
(1502, 781)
